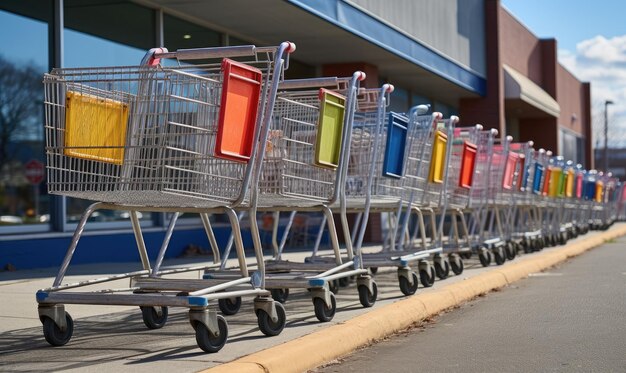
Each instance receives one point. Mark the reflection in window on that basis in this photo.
(23, 61)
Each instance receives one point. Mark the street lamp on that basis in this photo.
(606, 135)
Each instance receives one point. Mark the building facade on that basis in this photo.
(465, 57)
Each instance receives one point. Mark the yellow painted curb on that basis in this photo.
(314, 349)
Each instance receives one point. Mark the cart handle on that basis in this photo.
(318, 82)
(155, 54)
(311, 83)
(202, 53)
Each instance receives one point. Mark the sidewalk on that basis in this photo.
(111, 338)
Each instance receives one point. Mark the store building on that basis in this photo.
(464, 57)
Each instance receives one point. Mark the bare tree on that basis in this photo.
(20, 103)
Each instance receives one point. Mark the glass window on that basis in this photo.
(23, 61)
(181, 34)
(299, 70)
(105, 33)
(444, 109)
(569, 145)
(420, 100)
(399, 100)
(236, 41)
(122, 22)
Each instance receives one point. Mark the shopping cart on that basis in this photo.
(165, 139)
(487, 236)
(510, 196)
(373, 180)
(461, 190)
(427, 186)
(526, 224)
(395, 183)
(302, 173)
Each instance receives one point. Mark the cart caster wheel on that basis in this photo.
(269, 327)
(425, 278)
(457, 268)
(344, 282)
(562, 239)
(280, 295)
(206, 340)
(485, 258)
(152, 318)
(510, 251)
(442, 272)
(373, 270)
(228, 306)
(499, 256)
(367, 299)
(530, 247)
(53, 333)
(333, 286)
(405, 287)
(553, 240)
(322, 312)
(467, 255)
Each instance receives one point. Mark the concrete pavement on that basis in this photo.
(114, 338)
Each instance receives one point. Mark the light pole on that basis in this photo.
(606, 135)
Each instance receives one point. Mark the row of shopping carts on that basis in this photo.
(223, 132)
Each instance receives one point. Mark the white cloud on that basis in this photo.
(602, 62)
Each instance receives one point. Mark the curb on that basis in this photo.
(315, 349)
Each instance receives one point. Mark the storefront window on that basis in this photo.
(399, 100)
(105, 33)
(420, 100)
(181, 34)
(23, 61)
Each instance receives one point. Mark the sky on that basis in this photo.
(591, 42)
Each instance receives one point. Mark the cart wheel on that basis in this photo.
(206, 340)
(457, 269)
(510, 251)
(466, 255)
(280, 295)
(498, 256)
(269, 327)
(344, 282)
(323, 313)
(405, 287)
(562, 239)
(53, 333)
(485, 258)
(425, 278)
(333, 286)
(367, 299)
(151, 316)
(373, 270)
(228, 307)
(529, 247)
(553, 240)
(442, 272)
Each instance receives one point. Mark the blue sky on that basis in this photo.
(591, 38)
(570, 21)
